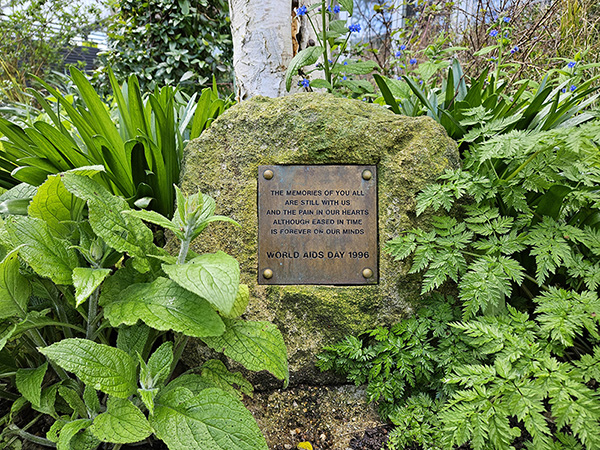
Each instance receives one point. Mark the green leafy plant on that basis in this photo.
(141, 148)
(475, 110)
(167, 43)
(90, 305)
(520, 246)
(34, 37)
(333, 40)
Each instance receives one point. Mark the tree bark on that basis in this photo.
(262, 46)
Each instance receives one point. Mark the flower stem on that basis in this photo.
(324, 40)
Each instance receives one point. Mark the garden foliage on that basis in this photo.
(184, 42)
(517, 359)
(139, 142)
(333, 70)
(95, 317)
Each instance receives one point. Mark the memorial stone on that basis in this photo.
(302, 132)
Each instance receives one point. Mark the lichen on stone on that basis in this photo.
(314, 128)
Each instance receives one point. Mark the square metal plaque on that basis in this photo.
(317, 225)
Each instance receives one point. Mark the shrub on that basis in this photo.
(90, 304)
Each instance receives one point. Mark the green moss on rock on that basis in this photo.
(316, 129)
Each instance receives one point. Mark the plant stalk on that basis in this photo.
(92, 313)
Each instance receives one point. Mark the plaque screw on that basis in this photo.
(268, 174)
(367, 273)
(267, 274)
(367, 175)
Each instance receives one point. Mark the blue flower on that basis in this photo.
(398, 78)
(514, 50)
(301, 11)
(563, 90)
(412, 61)
(403, 47)
(571, 64)
(572, 88)
(398, 53)
(304, 82)
(354, 28)
(421, 82)
(507, 19)
(330, 61)
(336, 9)
(344, 78)
(345, 63)
(494, 33)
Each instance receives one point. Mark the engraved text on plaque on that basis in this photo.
(317, 224)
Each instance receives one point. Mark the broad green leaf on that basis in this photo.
(47, 401)
(90, 398)
(319, 83)
(49, 256)
(213, 276)
(159, 364)
(148, 396)
(156, 218)
(163, 305)
(55, 205)
(241, 302)
(74, 401)
(215, 371)
(213, 419)
(122, 423)
(256, 345)
(190, 381)
(15, 289)
(121, 232)
(68, 432)
(305, 57)
(29, 383)
(133, 339)
(86, 280)
(105, 368)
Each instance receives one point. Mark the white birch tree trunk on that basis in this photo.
(262, 46)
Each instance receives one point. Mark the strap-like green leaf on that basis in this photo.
(212, 420)
(29, 383)
(105, 368)
(122, 423)
(86, 280)
(49, 256)
(15, 289)
(163, 305)
(256, 345)
(213, 276)
(305, 57)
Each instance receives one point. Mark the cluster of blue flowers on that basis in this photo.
(494, 33)
(412, 61)
(301, 11)
(514, 50)
(354, 28)
(336, 9)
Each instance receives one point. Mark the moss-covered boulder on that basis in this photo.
(316, 129)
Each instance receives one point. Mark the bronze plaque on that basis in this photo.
(317, 225)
